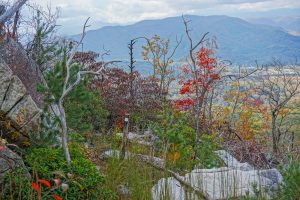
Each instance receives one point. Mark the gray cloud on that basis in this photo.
(240, 1)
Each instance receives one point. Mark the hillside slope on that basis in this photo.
(238, 40)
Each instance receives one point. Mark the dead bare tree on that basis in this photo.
(278, 85)
(68, 86)
(41, 40)
(6, 14)
(11, 11)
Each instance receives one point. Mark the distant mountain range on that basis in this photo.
(289, 23)
(239, 41)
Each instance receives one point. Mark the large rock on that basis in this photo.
(33, 125)
(24, 111)
(19, 112)
(232, 162)
(146, 139)
(170, 188)
(113, 153)
(224, 183)
(145, 158)
(9, 160)
(14, 55)
(234, 181)
(5, 77)
(15, 92)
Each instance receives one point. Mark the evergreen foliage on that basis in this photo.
(84, 107)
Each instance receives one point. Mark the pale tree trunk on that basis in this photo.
(64, 132)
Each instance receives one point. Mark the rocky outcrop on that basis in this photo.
(9, 160)
(145, 158)
(19, 112)
(170, 188)
(16, 58)
(19, 99)
(15, 91)
(146, 139)
(233, 181)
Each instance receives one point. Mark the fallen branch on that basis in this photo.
(157, 163)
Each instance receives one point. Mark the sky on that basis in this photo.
(73, 13)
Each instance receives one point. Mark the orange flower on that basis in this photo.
(45, 183)
(36, 187)
(55, 197)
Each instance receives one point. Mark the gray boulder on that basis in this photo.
(170, 188)
(234, 181)
(9, 160)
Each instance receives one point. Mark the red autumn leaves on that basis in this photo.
(36, 187)
(206, 74)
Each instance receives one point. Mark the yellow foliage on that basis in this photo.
(173, 156)
(283, 112)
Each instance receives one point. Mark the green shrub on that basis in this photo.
(205, 152)
(290, 189)
(84, 181)
(84, 107)
(16, 186)
(175, 132)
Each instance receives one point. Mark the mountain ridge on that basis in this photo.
(239, 41)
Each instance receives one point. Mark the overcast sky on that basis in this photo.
(102, 12)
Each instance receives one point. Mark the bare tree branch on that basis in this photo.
(11, 11)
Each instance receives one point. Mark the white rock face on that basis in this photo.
(235, 180)
(223, 183)
(112, 153)
(172, 189)
(232, 162)
(145, 139)
(115, 153)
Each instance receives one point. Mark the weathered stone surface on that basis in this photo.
(224, 183)
(234, 181)
(272, 174)
(232, 162)
(24, 111)
(5, 78)
(146, 139)
(9, 160)
(32, 126)
(112, 153)
(170, 188)
(22, 66)
(19, 114)
(15, 92)
(115, 153)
